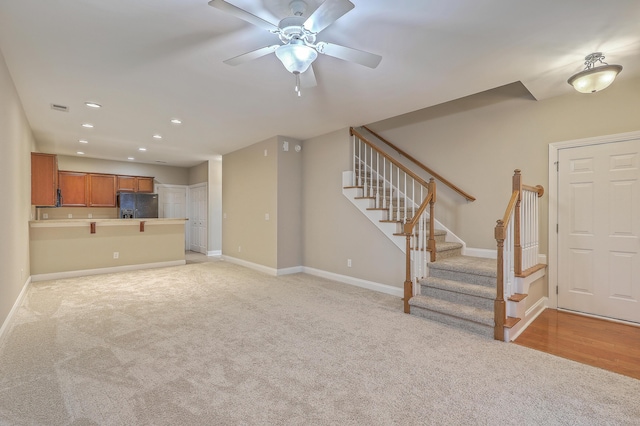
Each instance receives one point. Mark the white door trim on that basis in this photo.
(190, 213)
(553, 199)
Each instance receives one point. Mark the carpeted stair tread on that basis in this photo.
(468, 264)
(467, 313)
(460, 287)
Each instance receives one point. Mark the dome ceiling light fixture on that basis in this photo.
(594, 78)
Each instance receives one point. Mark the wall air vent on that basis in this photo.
(59, 107)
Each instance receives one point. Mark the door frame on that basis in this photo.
(554, 149)
(189, 212)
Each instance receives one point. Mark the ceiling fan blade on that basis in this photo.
(348, 54)
(308, 78)
(249, 56)
(243, 14)
(326, 14)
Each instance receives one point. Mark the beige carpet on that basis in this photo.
(218, 344)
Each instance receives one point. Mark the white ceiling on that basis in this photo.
(147, 61)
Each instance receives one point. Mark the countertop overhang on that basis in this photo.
(69, 223)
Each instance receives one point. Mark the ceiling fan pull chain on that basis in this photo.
(298, 84)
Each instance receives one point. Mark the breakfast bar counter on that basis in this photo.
(63, 248)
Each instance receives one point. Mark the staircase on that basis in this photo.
(450, 287)
(459, 291)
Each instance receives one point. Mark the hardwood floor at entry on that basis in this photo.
(600, 343)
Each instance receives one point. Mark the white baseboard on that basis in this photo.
(251, 265)
(99, 271)
(216, 253)
(370, 285)
(476, 252)
(7, 321)
(289, 271)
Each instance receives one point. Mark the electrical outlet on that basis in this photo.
(266, 216)
(265, 152)
(70, 216)
(239, 249)
(90, 216)
(116, 254)
(349, 263)
(45, 216)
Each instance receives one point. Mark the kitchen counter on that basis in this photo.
(61, 248)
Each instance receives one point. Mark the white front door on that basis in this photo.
(198, 219)
(599, 229)
(172, 203)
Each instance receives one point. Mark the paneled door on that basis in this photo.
(172, 203)
(198, 218)
(599, 229)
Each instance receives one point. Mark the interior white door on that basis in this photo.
(172, 203)
(198, 219)
(599, 229)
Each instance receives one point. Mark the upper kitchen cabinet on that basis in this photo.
(44, 179)
(135, 184)
(145, 184)
(102, 190)
(73, 188)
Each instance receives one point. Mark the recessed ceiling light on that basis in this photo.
(130, 158)
(93, 105)
(176, 121)
(80, 153)
(88, 125)
(142, 149)
(83, 141)
(157, 136)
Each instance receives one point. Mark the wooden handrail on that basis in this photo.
(510, 208)
(464, 194)
(399, 165)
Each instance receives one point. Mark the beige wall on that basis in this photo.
(66, 249)
(76, 213)
(199, 173)
(335, 230)
(163, 174)
(289, 204)
(16, 144)
(249, 191)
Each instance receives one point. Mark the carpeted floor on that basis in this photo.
(217, 344)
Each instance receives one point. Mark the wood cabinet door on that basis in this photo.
(44, 179)
(73, 186)
(127, 184)
(145, 184)
(102, 190)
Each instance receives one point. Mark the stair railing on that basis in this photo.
(409, 157)
(405, 197)
(518, 245)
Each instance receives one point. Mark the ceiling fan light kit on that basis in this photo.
(594, 78)
(298, 36)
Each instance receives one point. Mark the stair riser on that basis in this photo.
(459, 298)
(448, 253)
(461, 276)
(459, 323)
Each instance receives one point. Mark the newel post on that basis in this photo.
(432, 240)
(499, 306)
(408, 282)
(517, 245)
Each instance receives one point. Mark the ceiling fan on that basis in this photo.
(298, 36)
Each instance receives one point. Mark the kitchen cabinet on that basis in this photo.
(135, 184)
(102, 190)
(73, 188)
(44, 179)
(145, 184)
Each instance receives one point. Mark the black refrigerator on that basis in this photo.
(134, 205)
